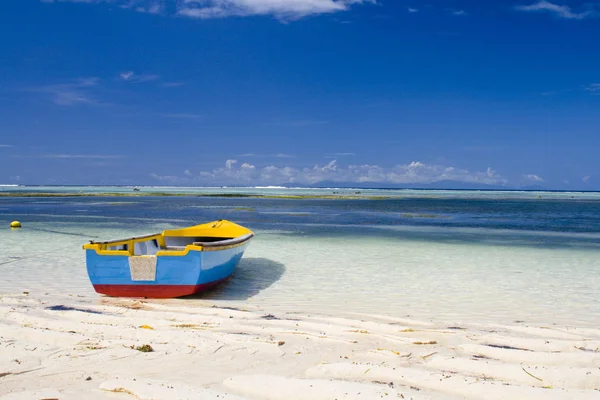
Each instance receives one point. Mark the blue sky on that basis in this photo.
(270, 92)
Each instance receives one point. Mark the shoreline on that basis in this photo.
(72, 347)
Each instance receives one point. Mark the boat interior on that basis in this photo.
(152, 245)
(208, 236)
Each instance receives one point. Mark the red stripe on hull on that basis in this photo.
(154, 291)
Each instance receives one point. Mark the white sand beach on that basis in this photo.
(72, 347)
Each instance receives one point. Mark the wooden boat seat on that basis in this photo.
(174, 248)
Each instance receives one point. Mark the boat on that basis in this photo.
(174, 263)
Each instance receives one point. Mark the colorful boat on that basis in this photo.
(174, 263)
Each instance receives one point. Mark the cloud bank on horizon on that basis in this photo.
(234, 173)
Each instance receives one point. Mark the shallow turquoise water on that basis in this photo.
(452, 256)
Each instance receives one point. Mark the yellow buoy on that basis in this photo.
(15, 224)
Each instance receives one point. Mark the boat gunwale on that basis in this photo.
(226, 242)
(217, 243)
(179, 250)
(133, 238)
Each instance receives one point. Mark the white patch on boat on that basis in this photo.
(142, 268)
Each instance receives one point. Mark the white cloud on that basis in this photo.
(14, 178)
(562, 11)
(153, 7)
(204, 9)
(413, 10)
(459, 12)
(130, 76)
(230, 163)
(412, 173)
(586, 179)
(282, 155)
(329, 167)
(285, 9)
(187, 172)
(594, 87)
(143, 6)
(6, 145)
(82, 91)
(126, 75)
(534, 178)
(73, 93)
(68, 98)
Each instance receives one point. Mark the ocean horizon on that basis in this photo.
(10, 187)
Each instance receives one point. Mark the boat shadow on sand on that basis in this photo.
(251, 276)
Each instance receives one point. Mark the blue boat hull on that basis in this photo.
(161, 276)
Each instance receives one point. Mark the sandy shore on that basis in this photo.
(75, 348)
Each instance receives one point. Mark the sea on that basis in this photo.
(505, 257)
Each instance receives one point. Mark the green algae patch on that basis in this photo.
(248, 209)
(145, 348)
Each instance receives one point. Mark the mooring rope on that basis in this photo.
(35, 255)
(59, 232)
(45, 252)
